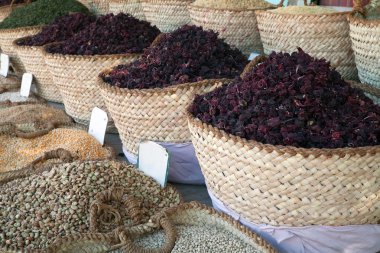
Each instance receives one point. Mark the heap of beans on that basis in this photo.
(293, 99)
(188, 54)
(61, 29)
(109, 34)
(41, 12)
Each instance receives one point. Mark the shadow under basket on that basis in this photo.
(283, 185)
(76, 77)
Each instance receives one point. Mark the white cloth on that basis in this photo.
(184, 167)
(312, 239)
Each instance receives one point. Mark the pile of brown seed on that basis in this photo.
(36, 210)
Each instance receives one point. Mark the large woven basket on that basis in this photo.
(152, 114)
(184, 216)
(34, 62)
(7, 36)
(237, 27)
(76, 75)
(133, 7)
(365, 37)
(281, 185)
(322, 36)
(167, 15)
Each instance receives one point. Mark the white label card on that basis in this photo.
(153, 160)
(252, 56)
(26, 83)
(4, 64)
(98, 124)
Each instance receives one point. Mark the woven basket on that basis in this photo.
(322, 36)
(152, 114)
(133, 7)
(167, 15)
(237, 27)
(76, 75)
(6, 10)
(34, 62)
(99, 7)
(186, 215)
(369, 90)
(365, 37)
(7, 36)
(280, 185)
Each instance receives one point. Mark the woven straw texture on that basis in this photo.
(6, 10)
(188, 214)
(280, 185)
(153, 114)
(322, 36)
(237, 27)
(369, 90)
(7, 36)
(167, 15)
(99, 7)
(76, 75)
(133, 7)
(34, 62)
(365, 37)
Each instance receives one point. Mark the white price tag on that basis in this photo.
(26, 83)
(153, 160)
(98, 124)
(4, 64)
(252, 56)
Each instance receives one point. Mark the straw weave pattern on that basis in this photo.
(99, 7)
(153, 114)
(75, 76)
(322, 36)
(167, 15)
(34, 62)
(133, 7)
(365, 37)
(7, 36)
(237, 27)
(289, 186)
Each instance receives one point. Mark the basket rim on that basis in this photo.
(26, 47)
(84, 57)
(281, 149)
(338, 13)
(192, 6)
(166, 90)
(363, 21)
(365, 87)
(17, 29)
(174, 2)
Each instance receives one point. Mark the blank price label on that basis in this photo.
(98, 124)
(4, 64)
(26, 83)
(153, 160)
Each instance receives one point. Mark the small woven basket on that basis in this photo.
(185, 216)
(365, 37)
(76, 75)
(283, 185)
(7, 36)
(322, 36)
(153, 114)
(167, 15)
(237, 27)
(133, 7)
(34, 62)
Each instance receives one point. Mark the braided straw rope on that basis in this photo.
(7, 36)
(153, 114)
(34, 62)
(167, 15)
(283, 185)
(365, 37)
(237, 27)
(133, 7)
(322, 36)
(190, 214)
(76, 75)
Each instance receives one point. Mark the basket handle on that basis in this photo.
(100, 212)
(157, 40)
(60, 153)
(248, 68)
